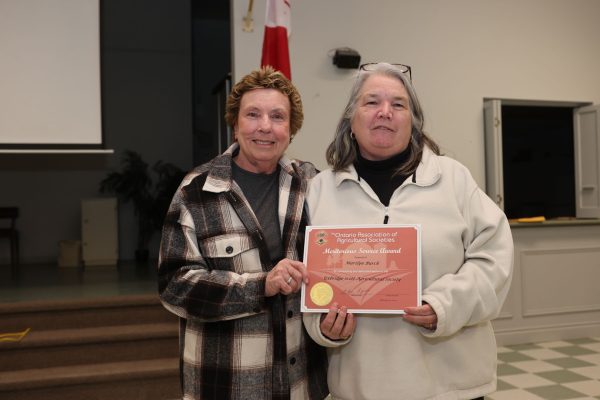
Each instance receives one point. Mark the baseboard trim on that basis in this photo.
(546, 333)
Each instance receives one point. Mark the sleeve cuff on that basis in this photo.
(439, 312)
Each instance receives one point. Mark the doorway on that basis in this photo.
(211, 65)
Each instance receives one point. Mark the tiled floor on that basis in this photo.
(566, 369)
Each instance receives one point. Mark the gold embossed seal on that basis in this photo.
(321, 294)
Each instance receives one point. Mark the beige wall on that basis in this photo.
(461, 51)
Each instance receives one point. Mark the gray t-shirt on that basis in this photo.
(262, 192)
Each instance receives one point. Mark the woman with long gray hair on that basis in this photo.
(386, 170)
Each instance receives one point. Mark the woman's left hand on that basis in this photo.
(286, 277)
(421, 316)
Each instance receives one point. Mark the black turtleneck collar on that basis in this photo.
(391, 163)
(380, 174)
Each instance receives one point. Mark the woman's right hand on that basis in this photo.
(338, 324)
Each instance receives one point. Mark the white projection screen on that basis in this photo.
(50, 74)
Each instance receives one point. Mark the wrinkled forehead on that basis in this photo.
(383, 84)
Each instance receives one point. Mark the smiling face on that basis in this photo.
(382, 121)
(262, 129)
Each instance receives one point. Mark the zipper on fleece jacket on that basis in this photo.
(387, 216)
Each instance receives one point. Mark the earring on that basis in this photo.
(352, 135)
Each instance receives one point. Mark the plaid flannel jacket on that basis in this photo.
(235, 343)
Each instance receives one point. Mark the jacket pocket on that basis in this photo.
(231, 251)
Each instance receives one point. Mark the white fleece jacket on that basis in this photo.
(467, 259)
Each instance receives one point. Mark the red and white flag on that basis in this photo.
(275, 51)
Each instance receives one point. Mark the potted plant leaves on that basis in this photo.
(149, 190)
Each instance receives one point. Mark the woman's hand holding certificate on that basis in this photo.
(338, 324)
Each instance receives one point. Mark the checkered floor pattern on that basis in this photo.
(566, 369)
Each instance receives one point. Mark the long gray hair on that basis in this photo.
(342, 151)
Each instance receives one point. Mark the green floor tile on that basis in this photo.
(573, 350)
(555, 392)
(513, 356)
(568, 362)
(582, 341)
(507, 369)
(562, 376)
(501, 385)
(524, 346)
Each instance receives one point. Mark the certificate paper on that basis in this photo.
(367, 268)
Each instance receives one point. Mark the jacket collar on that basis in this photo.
(220, 178)
(428, 172)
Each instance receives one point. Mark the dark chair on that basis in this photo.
(9, 230)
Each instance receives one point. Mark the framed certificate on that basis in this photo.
(368, 268)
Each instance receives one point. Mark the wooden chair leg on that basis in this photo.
(14, 254)
(17, 260)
